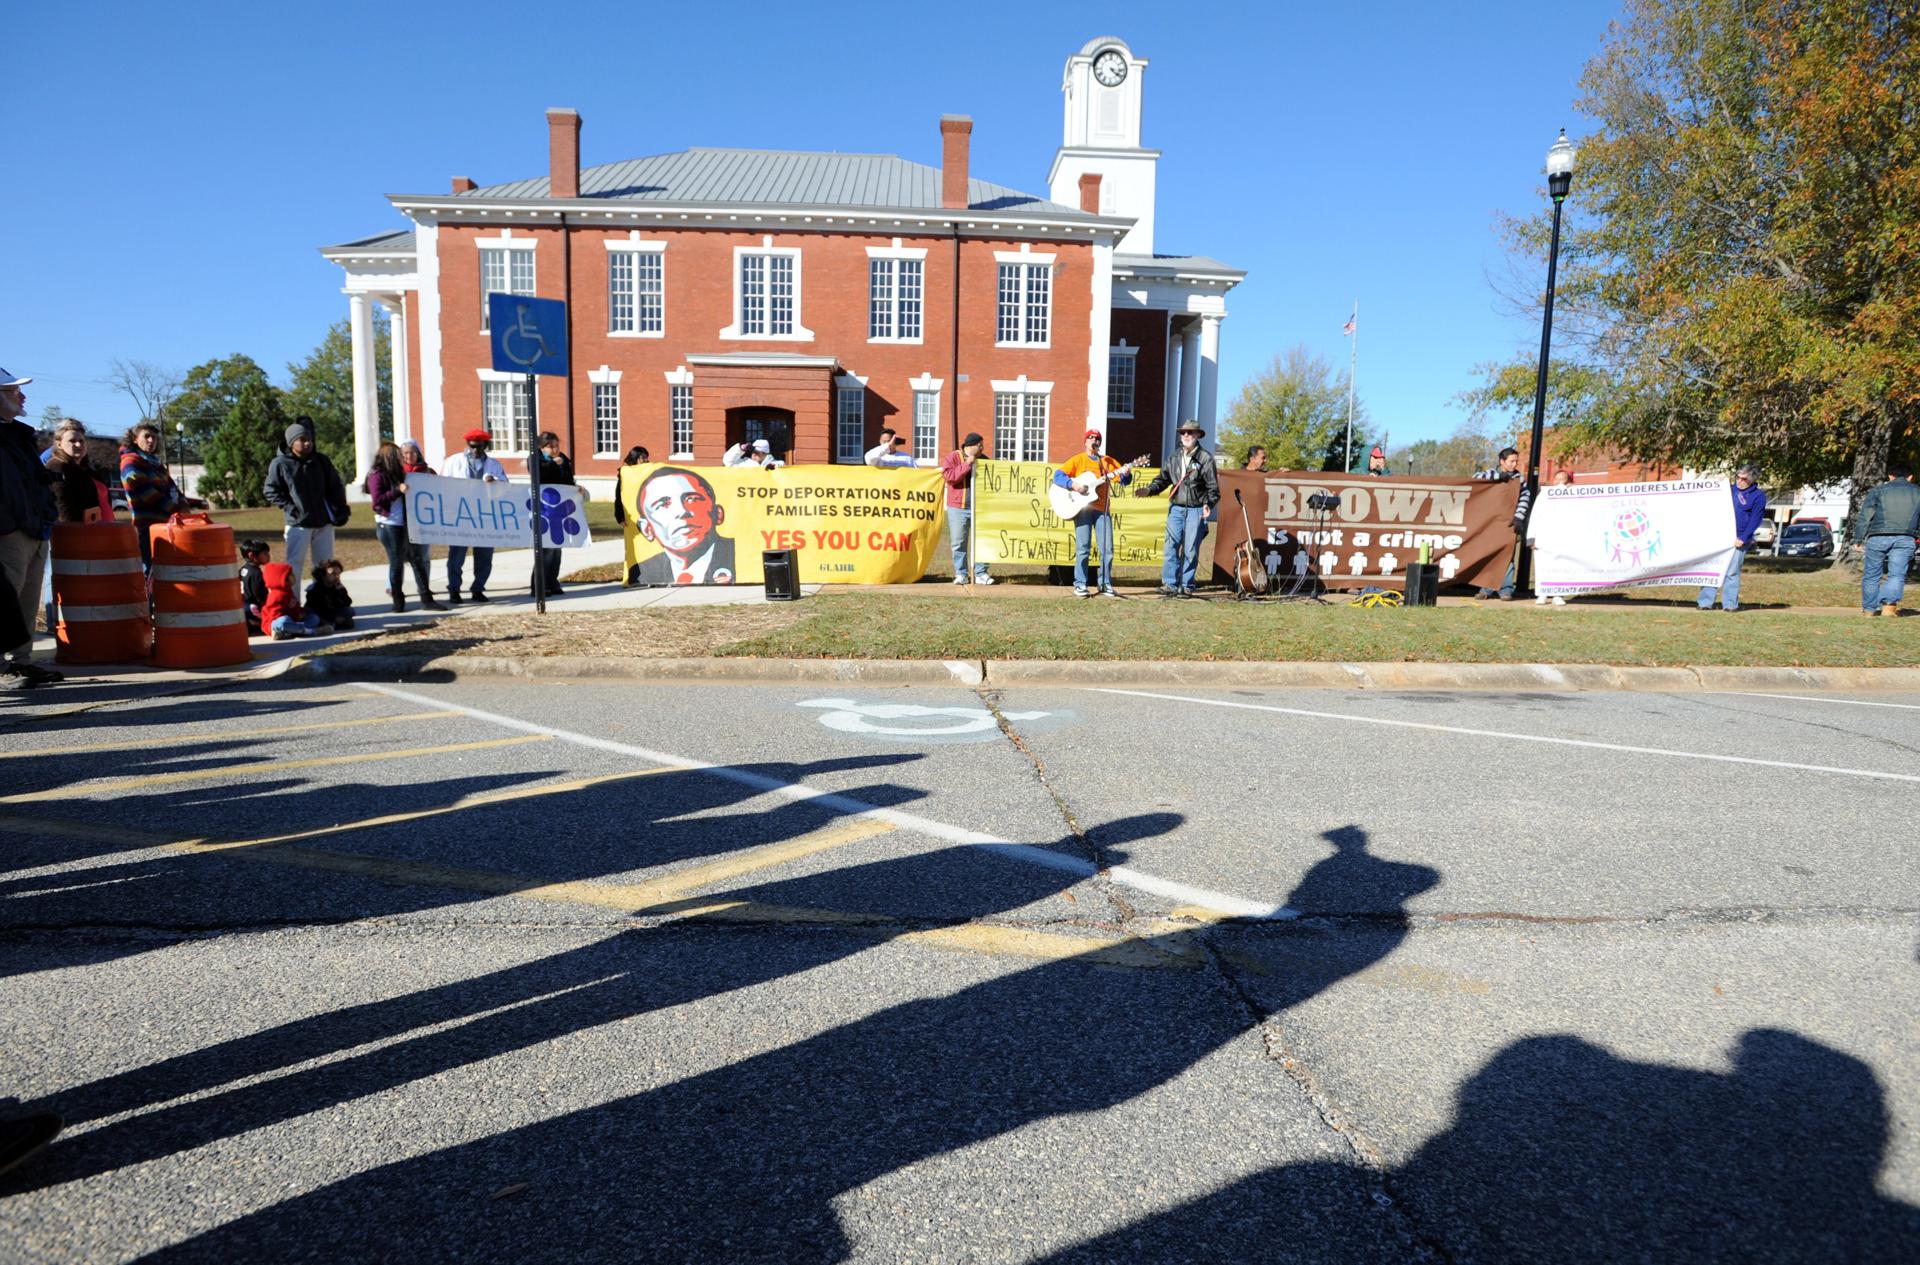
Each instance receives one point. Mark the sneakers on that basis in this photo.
(282, 634)
(1539, 599)
(1559, 601)
(30, 676)
(1167, 590)
(959, 579)
(983, 579)
(428, 604)
(1082, 593)
(453, 598)
(479, 595)
(1108, 593)
(1186, 593)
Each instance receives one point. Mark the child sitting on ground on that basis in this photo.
(253, 589)
(328, 598)
(281, 613)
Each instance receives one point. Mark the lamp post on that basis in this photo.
(180, 443)
(1559, 180)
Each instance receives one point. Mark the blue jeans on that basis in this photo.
(1885, 578)
(959, 526)
(457, 562)
(1088, 525)
(1180, 555)
(1729, 587)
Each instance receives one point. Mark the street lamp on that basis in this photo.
(1559, 180)
(180, 443)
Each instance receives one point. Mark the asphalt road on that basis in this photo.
(487, 971)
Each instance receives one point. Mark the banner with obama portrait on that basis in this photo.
(846, 524)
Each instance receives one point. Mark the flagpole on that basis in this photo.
(1353, 367)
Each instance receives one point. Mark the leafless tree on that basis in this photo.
(150, 387)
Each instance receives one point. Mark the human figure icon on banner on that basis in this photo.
(1449, 565)
(1272, 561)
(1300, 564)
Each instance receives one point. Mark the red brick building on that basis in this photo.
(716, 295)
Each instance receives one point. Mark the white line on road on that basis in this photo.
(1810, 698)
(1513, 737)
(1126, 876)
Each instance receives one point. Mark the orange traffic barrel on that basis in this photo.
(99, 594)
(199, 618)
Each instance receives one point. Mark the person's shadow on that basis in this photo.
(746, 1161)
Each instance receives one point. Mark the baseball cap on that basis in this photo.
(1376, 452)
(973, 437)
(761, 445)
(12, 380)
(1094, 434)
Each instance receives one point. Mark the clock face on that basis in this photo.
(1110, 68)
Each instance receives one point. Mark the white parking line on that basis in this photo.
(1126, 876)
(1814, 698)
(1513, 737)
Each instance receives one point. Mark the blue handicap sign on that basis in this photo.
(529, 335)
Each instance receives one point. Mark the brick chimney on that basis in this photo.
(1090, 192)
(464, 184)
(955, 129)
(563, 152)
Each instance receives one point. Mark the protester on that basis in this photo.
(327, 598)
(636, 456)
(555, 468)
(890, 453)
(413, 461)
(474, 463)
(1888, 520)
(386, 486)
(1256, 462)
(1749, 511)
(1196, 491)
(27, 510)
(81, 493)
(303, 485)
(281, 614)
(1506, 469)
(957, 470)
(152, 497)
(1377, 463)
(254, 554)
(752, 452)
(1096, 520)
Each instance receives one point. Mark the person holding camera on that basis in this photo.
(1196, 491)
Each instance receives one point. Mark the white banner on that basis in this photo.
(442, 511)
(1597, 537)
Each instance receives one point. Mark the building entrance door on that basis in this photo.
(773, 425)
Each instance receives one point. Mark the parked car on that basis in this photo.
(1763, 534)
(1805, 538)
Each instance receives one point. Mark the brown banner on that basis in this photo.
(1372, 533)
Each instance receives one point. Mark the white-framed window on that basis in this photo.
(850, 421)
(636, 288)
(507, 407)
(1120, 380)
(1020, 419)
(895, 293)
(1025, 308)
(506, 267)
(926, 415)
(767, 294)
(680, 410)
(606, 418)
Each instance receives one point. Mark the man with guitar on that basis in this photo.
(1080, 494)
(1196, 490)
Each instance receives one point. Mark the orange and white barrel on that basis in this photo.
(99, 595)
(199, 617)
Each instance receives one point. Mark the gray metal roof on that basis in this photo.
(1176, 263)
(397, 242)
(761, 177)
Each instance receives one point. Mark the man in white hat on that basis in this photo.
(27, 515)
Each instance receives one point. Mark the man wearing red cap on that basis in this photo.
(474, 463)
(1377, 462)
(1096, 520)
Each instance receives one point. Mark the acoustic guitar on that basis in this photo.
(1249, 577)
(1085, 490)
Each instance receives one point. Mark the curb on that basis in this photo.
(1559, 677)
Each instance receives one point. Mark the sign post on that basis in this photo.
(530, 337)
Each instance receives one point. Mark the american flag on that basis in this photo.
(1347, 329)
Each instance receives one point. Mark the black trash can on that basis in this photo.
(1423, 583)
(782, 567)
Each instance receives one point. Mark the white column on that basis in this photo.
(402, 382)
(366, 388)
(1209, 370)
(1190, 372)
(1170, 394)
(1101, 336)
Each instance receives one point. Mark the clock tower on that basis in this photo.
(1102, 137)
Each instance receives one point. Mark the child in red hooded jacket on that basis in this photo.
(281, 613)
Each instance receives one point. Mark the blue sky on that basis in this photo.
(176, 166)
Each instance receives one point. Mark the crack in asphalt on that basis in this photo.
(1747, 713)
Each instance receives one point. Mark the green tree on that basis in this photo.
(238, 453)
(1741, 273)
(322, 386)
(51, 416)
(1461, 455)
(207, 396)
(1297, 409)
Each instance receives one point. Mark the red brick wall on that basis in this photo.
(1127, 439)
(833, 304)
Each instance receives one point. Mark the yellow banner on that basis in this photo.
(1013, 520)
(849, 524)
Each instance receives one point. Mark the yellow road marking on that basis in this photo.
(173, 738)
(122, 785)
(695, 877)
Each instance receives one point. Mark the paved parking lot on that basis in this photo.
(472, 971)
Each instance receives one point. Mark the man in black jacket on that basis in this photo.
(26, 519)
(303, 485)
(1196, 490)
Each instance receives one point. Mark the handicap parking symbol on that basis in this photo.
(914, 720)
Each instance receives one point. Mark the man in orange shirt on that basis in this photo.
(1097, 516)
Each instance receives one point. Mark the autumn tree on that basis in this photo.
(1460, 455)
(1297, 409)
(1740, 276)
